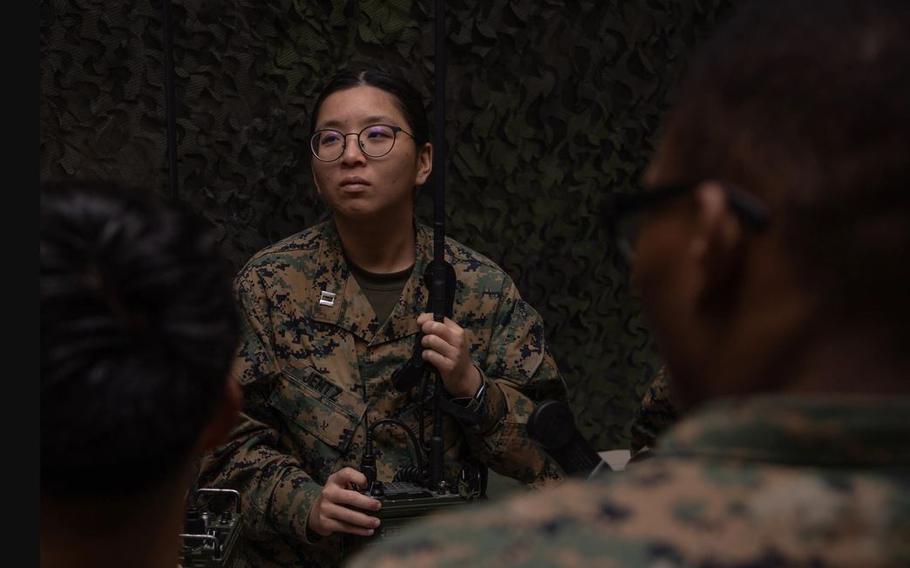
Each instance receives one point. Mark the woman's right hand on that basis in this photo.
(334, 510)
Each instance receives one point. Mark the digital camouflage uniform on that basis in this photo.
(766, 482)
(312, 365)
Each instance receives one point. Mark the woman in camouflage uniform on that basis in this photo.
(332, 312)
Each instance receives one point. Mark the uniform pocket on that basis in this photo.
(318, 406)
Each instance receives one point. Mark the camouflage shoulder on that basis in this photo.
(671, 512)
(557, 526)
(302, 244)
(476, 266)
(462, 256)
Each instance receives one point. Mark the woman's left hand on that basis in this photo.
(446, 348)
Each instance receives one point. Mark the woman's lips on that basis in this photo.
(354, 185)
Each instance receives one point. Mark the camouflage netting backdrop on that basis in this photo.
(551, 105)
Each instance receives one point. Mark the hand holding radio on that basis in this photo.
(342, 509)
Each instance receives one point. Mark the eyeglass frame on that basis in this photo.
(746, 206)
(344, 138)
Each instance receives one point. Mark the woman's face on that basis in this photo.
(356, 186)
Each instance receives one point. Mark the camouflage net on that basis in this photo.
(551, 105)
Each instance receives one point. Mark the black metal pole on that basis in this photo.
(170, 100)
(438, 291)
(439, 165)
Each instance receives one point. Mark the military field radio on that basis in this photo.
(212, 529)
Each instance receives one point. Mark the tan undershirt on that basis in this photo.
(382, 290)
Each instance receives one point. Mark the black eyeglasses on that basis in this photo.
(375, 141)
(625, 211)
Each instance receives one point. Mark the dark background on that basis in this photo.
(550, 105)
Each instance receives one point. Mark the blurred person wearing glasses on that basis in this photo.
(332, 312)
(770, 247)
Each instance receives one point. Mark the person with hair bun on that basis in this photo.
(138, 332)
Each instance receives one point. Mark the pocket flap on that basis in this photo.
(317, 405)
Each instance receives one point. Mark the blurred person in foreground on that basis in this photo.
(138, 331)
(772, 258)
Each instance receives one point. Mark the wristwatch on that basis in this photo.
(475, 401)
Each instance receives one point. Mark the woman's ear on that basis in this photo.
(424, 164)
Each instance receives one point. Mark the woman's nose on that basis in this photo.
(352, 153)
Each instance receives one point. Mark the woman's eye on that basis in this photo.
(376, 132)
(329, 138)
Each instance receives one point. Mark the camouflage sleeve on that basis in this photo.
(656, 413)
(276, 494)
(517, 371)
